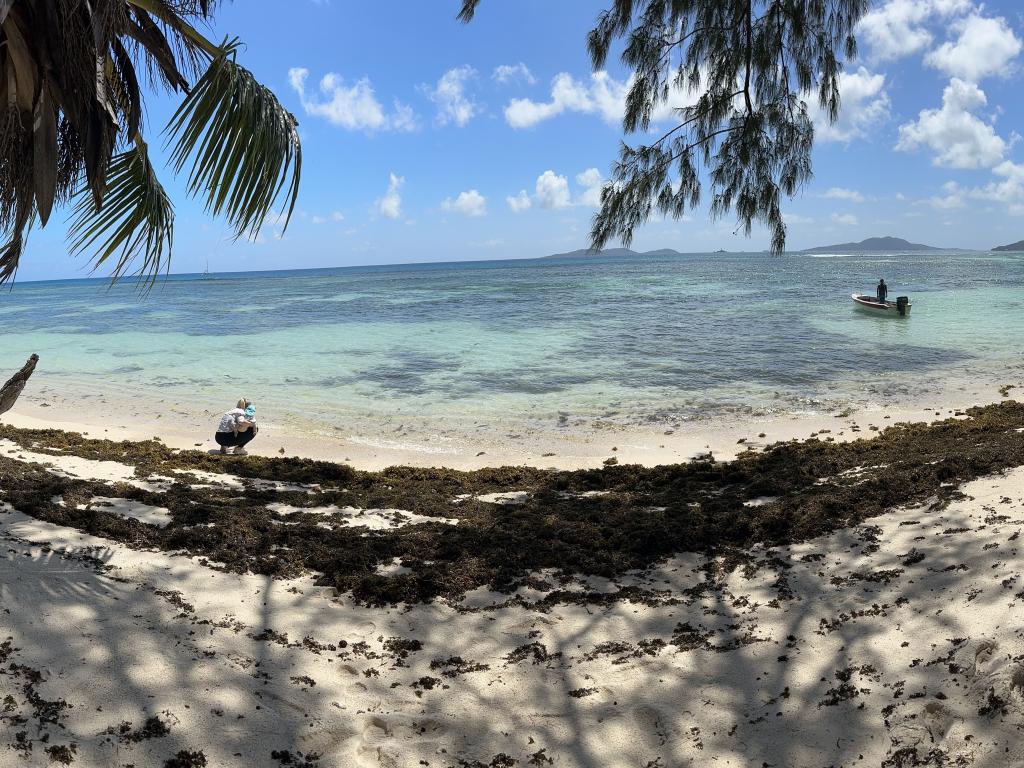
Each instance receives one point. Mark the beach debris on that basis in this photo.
(504, 499)
(10, 391)
(350, 529)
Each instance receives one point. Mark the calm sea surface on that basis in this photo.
(545, 342)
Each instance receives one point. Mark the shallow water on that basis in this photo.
(529, 342)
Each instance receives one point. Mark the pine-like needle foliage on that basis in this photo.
(737, 73)
(71, 127)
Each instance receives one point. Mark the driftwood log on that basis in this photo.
(10, 391)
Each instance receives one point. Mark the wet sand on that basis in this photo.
(407, 441)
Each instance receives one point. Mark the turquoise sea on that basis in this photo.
(538, 343)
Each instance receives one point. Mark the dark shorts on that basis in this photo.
(232, 440)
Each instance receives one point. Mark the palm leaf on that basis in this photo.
(243, 145)
(44, 154)
(468, 10)
(136, 219)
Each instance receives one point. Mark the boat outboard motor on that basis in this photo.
(901, 305)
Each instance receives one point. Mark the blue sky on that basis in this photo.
(425, 139)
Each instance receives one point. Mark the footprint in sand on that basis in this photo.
(651, 725)
(1015, 687)
(328, 737)
(984, 656)
(367, 629)
(938, 718)
(386, 741)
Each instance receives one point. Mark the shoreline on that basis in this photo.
(562, 449)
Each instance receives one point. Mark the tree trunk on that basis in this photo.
(10, 391)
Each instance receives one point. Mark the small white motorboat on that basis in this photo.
(871, 304)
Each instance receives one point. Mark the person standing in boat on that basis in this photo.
(883, 290)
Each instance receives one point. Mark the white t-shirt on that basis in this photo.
(230, 419)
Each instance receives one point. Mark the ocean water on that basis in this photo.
(530, 344)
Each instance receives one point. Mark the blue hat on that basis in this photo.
(250, 410)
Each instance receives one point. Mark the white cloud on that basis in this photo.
(898, 28)
(677, 99)
(453, 106)
(552, 191)
(519, 203)
(470, 203)
(603, 96)
(592, 182)
(839, 193)
(1009, 191)
(508, 73)
(863, 104)
(335, 216)
(845, 219)
(953, 199)
(984, 46)
(354, 107)
(959, 138)
(796, 219)
(390, 205)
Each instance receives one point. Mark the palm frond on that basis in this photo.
(468, 10)
(135, 222)
(244, 147)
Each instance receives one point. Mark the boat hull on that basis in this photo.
(872, 306)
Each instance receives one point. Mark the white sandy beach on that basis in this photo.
(897, 643)
(459, 445)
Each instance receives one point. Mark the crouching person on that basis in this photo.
(237, 427)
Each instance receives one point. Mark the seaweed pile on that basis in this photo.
(600, 522)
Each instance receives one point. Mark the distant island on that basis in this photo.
(1016, 247)
(587, 253)
(873, 244)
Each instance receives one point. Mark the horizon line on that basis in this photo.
(166, 275)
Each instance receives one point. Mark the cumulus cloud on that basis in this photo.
(353, 107)
(603, 96)
(899, 27)
(864, 103)
(470, 203)
(552, 191)
(1009, 191)
(453, 105)
(839, 193)
(592, 182)
(984, 46)
(953, 199)
(337, 216)
(510, 73)
(959, 138)
(845, 219)
(390, 206)
(519, 203)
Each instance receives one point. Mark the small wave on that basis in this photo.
(400, 445)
